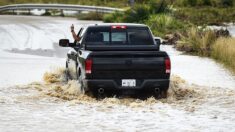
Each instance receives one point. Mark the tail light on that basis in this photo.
(88, 66)
(118, 27)
(168, 65)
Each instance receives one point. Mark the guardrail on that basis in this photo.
(59, 7)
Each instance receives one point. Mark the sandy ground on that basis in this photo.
(201, 96)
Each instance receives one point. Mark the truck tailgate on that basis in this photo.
(129, 65)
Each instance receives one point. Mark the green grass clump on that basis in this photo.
(138, 14)
(162, 24)
(114, 17)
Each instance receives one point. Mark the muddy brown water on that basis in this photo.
(55, 105)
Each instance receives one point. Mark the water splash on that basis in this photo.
(54, 85)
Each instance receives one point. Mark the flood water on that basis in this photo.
(35, 97)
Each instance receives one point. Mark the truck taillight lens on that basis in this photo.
(118, 27)
(168, 65)
(88, 66)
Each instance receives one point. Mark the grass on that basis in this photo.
(224, 51)
(114, 17)
(206, 43)
(162, 24)
(197, 41)
(206, 15)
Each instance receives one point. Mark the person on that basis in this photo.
(75, 37)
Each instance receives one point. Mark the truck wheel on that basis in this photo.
(163, 93)
(98, 95)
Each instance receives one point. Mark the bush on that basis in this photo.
(190, 2)
(114, 17)
(138, 14)
(204, 3)
(227, 3)
(162, 24)
(198, 41)
(224, 51)
(158, 6)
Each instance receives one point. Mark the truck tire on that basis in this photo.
(163, 93)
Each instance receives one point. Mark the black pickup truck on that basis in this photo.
(118, 58)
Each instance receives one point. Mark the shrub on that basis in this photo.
(227, 3)
(114, 17)
(158, 6)
(190, 2)
(224, 51)
(204, 3)
(162, 24)
(138, 14)
(198, 41)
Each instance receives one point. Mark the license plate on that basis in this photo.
(128, 83)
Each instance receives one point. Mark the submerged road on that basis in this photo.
(205, 101)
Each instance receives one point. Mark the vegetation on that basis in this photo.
(197, 41)
(208, 43)
(169, 17)
(205, 15)
(214, 3)
(111, 3)
(162, 24)
(114, 17)
(223, 51)
(155, 13)
(184, 17)
(90, 16)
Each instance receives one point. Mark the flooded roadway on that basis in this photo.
(201, 98)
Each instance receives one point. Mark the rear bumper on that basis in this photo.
(147, 84)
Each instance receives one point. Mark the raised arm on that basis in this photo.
(74, 34)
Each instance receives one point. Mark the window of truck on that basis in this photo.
(127, 36)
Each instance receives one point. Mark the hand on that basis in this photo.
(72, 28)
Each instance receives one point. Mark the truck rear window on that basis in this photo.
(130, 36)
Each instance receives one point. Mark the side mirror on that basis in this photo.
(64, 43)
(158, 41)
